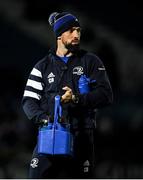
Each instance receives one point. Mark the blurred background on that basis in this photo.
(112, 30)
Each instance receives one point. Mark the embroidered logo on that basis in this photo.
(34, 162)
(51, 78)
(78, 70)
(86, 165)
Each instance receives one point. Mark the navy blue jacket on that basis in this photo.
(48, 77)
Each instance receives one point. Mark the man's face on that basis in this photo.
(71, 38)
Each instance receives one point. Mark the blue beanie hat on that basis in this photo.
(61, 22)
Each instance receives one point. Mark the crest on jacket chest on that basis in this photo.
(78, 70)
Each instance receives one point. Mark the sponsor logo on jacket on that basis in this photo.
(51, 78)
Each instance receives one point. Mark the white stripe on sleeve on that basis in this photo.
(32, 94)
(36, 72)
(34, 84)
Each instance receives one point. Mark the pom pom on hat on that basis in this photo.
(61, 22)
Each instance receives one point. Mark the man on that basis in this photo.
(58, 74)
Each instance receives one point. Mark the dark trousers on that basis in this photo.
(82, 165)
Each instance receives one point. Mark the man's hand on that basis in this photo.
(67, 96)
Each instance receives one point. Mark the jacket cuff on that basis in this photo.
(41, 118)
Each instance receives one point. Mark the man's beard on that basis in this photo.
(72, 47)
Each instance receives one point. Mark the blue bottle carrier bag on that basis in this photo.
(56, 138)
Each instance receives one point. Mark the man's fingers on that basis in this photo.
(66, 88)
(67, 96)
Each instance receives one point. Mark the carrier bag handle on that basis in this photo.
(58, 110)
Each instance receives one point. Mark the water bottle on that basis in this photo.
(83, 84)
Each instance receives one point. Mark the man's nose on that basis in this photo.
(76, 34)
